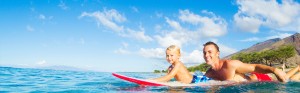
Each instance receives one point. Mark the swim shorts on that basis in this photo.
(197, 79)
(262, 77)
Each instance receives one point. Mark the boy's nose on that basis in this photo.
(168, 57)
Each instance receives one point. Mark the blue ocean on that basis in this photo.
(16, 80)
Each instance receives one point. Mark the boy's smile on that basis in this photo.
(172, 56)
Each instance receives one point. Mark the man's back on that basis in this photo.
(226, 71)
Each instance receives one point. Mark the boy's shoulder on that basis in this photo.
(179, 64)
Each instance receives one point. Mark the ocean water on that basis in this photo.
(16, 80)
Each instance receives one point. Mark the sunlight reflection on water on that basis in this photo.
(40, 80)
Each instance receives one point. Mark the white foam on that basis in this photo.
(209, 83)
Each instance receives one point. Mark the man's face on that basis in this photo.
(210, 54)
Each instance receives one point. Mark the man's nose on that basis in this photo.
(206, 54)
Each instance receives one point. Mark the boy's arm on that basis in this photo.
(169, 75)
(247, 68)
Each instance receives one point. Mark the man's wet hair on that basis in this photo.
(212, 43)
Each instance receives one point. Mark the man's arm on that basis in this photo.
(247, 68)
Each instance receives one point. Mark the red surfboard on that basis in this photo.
(144, 82)
(137, 81)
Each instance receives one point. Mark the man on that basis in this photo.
(234, 69)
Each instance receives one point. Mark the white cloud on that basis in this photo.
(62, 5)
(156, 53)
(125, 45)
(253, 14)
(112, 19)
(43, 62)
(107, 18)
(178, 36)
(274, 35)
(192, 18)
(195, 57)
(29, 28)
(32, 9)
(205, 27)
(123, 49)
(139, 35)
(158, 14)
(279, 35)
(157, 27)
(175, 25)
(225, 50)
(175, 38)
(135, 9)
(42, 17)
(82, 41)
(250, 39)
(249, 24)
(210, 26)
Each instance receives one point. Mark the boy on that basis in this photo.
(177, 69)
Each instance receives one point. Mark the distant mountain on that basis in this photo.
(275, 43)
(56, 67)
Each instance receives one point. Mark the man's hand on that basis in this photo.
(280, 75)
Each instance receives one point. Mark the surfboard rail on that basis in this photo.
(144, 82)
(137, 81)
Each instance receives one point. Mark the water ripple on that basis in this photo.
(54, 81)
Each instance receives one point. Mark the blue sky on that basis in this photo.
(131, 35)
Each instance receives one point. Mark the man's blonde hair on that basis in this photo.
(174, 47)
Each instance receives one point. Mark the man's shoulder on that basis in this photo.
(231, 62)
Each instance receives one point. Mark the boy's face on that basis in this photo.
(172, 56)
(210, 54)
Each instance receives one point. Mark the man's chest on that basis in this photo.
(223, 74)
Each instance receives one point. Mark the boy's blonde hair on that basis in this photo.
(173, 47)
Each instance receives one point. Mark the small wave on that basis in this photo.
(37, 80)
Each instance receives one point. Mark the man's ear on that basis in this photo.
(218, 54)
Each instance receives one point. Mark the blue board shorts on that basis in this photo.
(197, 79)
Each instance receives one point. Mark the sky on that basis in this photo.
(132, 35)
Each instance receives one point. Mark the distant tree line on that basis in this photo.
(268, 57)
(202, 67)
(158, 71)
